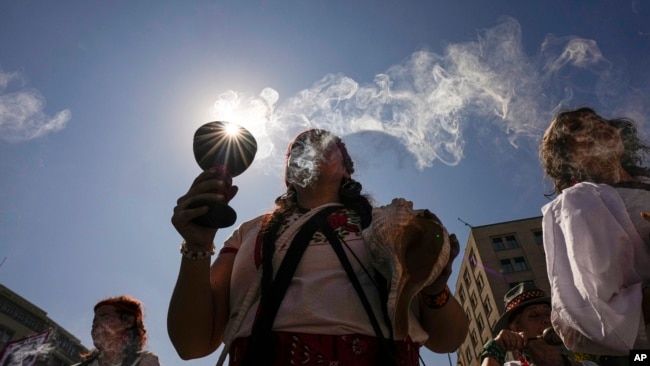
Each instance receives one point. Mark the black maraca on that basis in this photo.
(229, 149)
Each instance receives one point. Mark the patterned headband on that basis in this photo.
(525, 297)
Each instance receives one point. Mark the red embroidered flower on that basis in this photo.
(340, 222)
(336, 220)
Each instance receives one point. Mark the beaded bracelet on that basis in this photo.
(196, 255)
(438, 300)
(493, 350)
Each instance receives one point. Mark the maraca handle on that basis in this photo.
(220, 215)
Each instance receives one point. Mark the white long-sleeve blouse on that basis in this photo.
(598, 257)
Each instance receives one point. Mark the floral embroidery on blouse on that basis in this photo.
(345, 222)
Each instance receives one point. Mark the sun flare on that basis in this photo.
(232, 130)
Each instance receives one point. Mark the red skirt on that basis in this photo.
(328, 350)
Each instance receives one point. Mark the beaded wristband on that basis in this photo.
(493, 350)
(438, 300)
(195, 255)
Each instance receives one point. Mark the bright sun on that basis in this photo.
(232, 129)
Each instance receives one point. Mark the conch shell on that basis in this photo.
(410, 248)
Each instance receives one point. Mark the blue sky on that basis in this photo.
(440, 102)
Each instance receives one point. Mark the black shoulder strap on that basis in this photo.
(345, 262)
(387, 347)
(260, 346)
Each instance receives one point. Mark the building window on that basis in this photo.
(5, 335)
(472, 336)
(466, 277)
(497, 244)
(68, 347)
(469, 315)
(506, 266)
(472, 299)
(514, 264)
(504, 242)
(479, 282)
(520, 264)
(8, 309)
(468, 355)
(461, 295)
(511, 242)
(21, 316)
(487, 306)
(35, 324)
(472, 258)
(539, 237)
(479, 323)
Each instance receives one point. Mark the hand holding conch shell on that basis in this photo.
(413, 250)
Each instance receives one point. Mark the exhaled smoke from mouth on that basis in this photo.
(305, 159)
(303, 168)
(428, 101)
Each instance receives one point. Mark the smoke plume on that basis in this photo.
(429, 101)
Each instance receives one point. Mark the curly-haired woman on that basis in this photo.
(596, 236)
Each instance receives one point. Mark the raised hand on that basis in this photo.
(207, 186)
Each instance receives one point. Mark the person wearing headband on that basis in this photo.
(524, 334)
(299, 285)
(119, 335)
(596, 237)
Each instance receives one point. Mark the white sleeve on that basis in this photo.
(587, 241)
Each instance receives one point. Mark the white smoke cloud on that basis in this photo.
(21, 113)
(428, 102)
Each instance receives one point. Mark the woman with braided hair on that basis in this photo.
(119, 335)
(300, 286)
